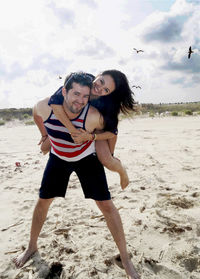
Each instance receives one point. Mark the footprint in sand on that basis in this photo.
(191, 264)
(163, 271)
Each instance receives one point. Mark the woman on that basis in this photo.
(110, 94)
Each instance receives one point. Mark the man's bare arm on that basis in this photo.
(41, 112)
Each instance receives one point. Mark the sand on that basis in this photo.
(160, 208)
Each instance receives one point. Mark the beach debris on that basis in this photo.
(138, 50)
(100, 216)
(142, 209)
(182, 202)
(60, 77)
(141, 257)
(69, 251)
(191, 264)
(150, 261)
(179, 202)
(61, 231)
(190, 51)
(161, 255)
(152, 264)
(138, 222)
(108, 262)
(93, 272)
(195, 194)
(173, 228)
(12, 252)
(13, 225)
(18, 164)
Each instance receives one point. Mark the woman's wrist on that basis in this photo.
(94, 136)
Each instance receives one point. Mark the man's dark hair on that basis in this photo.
(81, 78)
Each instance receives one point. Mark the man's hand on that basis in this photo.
(45, 145)
(81, 136)
(43, 138)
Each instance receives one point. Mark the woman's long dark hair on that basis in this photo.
(120, 100)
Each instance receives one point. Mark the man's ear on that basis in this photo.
(64, 92)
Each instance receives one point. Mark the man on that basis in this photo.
(66, 157)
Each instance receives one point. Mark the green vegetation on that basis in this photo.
(162, 108)
(151, 114)
(30, 122)
(13, 113)
(2, 122)
(188, 112)
(174, 113)
(26, 116)
(150, 109)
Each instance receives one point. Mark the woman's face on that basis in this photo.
(103, 85)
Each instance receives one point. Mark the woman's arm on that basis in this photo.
(63, 118)
(78, 135)
(84, 136)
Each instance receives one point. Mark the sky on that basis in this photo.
(44, 39)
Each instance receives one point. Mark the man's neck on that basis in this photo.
(70, 114)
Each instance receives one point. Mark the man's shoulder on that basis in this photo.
(92, 111)
(42, 108)
(94, 118)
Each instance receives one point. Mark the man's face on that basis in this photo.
(76, 98)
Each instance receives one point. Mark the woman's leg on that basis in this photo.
(111, 143)
(104, 149)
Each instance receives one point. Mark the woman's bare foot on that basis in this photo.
(20, 260)
(124, 180)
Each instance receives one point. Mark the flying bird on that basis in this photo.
(136, 86)
(138, 50)
(190, 52)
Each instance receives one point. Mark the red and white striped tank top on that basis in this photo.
(62, 144)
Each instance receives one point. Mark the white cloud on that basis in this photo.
(46, 38)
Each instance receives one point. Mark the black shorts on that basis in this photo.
(89, 171)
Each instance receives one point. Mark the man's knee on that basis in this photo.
(44, 203)
(106, 206)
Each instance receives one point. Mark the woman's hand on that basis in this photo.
(81, 136)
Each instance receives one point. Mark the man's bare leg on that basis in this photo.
(114, 224)
(39, 217)
(104, 153)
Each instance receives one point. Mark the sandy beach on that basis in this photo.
(160, 208)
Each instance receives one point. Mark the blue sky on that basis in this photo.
(43, 39)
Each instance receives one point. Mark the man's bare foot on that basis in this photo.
(124, 180)
(20, 260)
(130, 270)
(128, 266)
